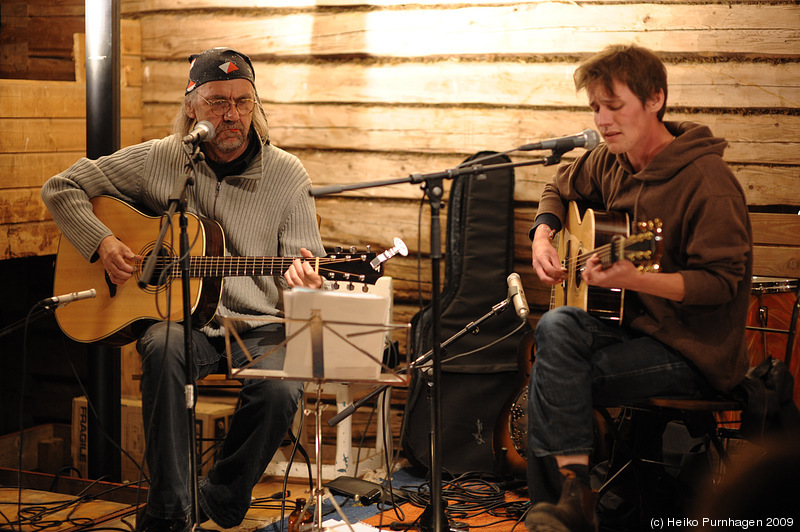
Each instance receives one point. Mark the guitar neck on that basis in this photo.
(243, 266)
(342, 267)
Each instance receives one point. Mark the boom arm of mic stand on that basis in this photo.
(469, 328)
(553, 158)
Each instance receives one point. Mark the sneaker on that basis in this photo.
(147, 523)
(574, 511)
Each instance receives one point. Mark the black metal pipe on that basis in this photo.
(103, 138)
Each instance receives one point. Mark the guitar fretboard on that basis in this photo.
(201, 266)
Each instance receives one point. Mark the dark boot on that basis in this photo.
(574, 511)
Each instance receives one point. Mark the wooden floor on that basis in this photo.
(113, 507)
(75, 504)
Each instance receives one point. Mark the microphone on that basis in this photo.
(202, 131)
(517, 295)
(588, 138)
(60, 301)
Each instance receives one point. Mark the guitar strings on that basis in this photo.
(604, 252)
(216, 263)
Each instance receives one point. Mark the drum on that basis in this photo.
(771, 305)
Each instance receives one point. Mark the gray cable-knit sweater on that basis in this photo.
(267, 211)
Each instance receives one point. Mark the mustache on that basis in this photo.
(229, 126)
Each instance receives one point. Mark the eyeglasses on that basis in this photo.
(221, 107)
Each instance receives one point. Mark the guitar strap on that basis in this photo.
(474, 388)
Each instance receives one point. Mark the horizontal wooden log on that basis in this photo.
(54, 34)
(762, 184)
(725, 84)
(131, 7)
(551, 28)
(48, 8)
(22, 170)
(46, 135)
(754, 139)
(776, 229)
(777, 261)
(57, 99)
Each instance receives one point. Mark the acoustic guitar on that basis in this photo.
(606, 234)
(119, 313)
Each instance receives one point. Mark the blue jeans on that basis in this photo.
(259, 425)
(582, 362)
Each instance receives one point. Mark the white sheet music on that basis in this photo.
(352, 333)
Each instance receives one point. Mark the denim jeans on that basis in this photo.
(259, 425)
(581, 362)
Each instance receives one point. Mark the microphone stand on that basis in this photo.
(472, 327)
(177, 202)
(432, 185)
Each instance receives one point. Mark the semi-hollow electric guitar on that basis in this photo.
(119, 313)
(606, 234)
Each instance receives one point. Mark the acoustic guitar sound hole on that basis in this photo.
(166, 268)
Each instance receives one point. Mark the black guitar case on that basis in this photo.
(474, 388)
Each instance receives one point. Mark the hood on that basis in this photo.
(692, 141)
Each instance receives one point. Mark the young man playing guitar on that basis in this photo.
(259, 196)
(682, 333)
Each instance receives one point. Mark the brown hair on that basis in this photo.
(639, 68)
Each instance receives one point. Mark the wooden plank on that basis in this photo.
(33, 169)
(514, 83)
(45, 135)
(59, 8)
(760, 139)
(776, 229)
(141, 6)
(776, 261)
(57, 99)
(53, 34)
(551, 28)
(762, 184)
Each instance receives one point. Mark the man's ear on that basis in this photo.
(188, 108)
(656, 101)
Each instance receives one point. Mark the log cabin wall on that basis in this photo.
(365, 91)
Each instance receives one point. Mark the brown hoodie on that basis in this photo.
(706, 235)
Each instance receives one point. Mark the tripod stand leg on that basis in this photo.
(321, 493)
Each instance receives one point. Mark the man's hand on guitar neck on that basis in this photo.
(117, 259)
(621, 274)
(625, 275)
(545, 259)
(301, 273)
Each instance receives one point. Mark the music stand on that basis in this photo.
(322, 349)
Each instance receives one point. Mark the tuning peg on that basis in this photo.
(364, 288)
(338, 249)
(351, 286)
(335, 285)
(369, 247)
(352, 249)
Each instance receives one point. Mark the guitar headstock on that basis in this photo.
(645, 247)
(358, 267)
(350, 266)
